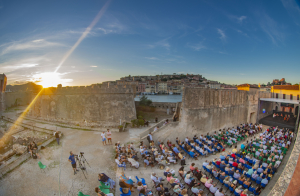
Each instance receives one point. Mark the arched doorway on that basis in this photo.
(296, 110)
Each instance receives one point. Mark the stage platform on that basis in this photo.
(278, 121)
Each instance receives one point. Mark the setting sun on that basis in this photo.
(48, 79)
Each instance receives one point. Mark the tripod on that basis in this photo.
(81, 166)
(83, 159)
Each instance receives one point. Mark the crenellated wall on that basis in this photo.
(212, 109)
(92, 103)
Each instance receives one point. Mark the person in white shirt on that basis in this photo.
(156, 179)
(205, 163)
(103, 138)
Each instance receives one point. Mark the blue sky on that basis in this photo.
(230, 41)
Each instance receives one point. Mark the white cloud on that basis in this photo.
(162, 43)
(222, 35)
(243, 33)
(238, 19)
(93, 66)
(197, 47)
(292, 9)
(151, 58)
(270, 27)
(29, 45)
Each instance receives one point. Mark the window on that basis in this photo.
(276, 95)
(291, 97)
(283, 96)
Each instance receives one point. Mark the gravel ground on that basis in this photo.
(58, 178)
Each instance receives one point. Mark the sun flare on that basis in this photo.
(48, 79)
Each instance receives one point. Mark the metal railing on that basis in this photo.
(151, 129)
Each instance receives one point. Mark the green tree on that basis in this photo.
(145, 101)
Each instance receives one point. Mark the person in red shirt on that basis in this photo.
(235, 164)
(233, 156)
(218, 162)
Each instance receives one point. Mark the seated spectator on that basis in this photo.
(196, 190)
(203, 179)
(235, 164)
(213, 188)
(222, 176)
(208, 183)
(184, 192)
(250, 171)
(205, 163)
(209, 166)
(260, 169)
(240, 166)
(259, 178)
(237, 175)
(247, 182)
(100, 193)
(231, 171)
(239, 189)
(244, 192)
(222, 165)
(192, 166)
(234, 184)
(227, 180)
(156, 179)
(219, 192)
(264, 181)
(177, 189)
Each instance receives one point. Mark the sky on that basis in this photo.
(229, 41)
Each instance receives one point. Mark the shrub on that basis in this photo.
(140, 117)
(141, 122)
(145, 101)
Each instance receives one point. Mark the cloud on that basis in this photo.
(93, 66)
(270, 27)
(29, 45)
(162, 43)
(238, 19)
(241, 32)
(197, 47)
(222, 35)
(151, 58)
(293, 9)
(26, 65)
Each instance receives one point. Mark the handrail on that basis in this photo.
(146, 132)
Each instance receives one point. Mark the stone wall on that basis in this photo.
(93, 104)
(17, 98)
(210, 109)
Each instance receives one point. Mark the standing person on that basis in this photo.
(103, 138)
(57, 137)
(108, 135)
(149, 137)
(73, 162)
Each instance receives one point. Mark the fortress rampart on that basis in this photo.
(105, 104)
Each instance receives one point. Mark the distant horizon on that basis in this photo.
(84, 43)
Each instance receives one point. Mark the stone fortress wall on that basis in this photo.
(104, 104)
(17, 98)
(211, 109)
(207, 110)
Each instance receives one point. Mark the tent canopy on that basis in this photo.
(280, 100)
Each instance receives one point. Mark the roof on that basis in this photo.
(286, 87)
